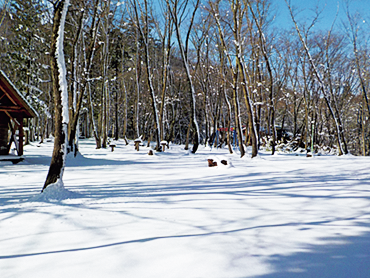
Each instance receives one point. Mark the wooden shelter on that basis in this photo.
(13, 109)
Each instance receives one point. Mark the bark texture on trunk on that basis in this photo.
(60, 94)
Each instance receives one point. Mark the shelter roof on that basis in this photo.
(12, 101)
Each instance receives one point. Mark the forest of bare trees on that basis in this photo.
(181, 70)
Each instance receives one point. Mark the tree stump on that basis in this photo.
(211, 163)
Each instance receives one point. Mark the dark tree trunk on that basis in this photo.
(58, 158)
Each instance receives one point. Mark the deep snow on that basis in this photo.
(128, 214)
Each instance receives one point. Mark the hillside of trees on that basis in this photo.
(180, 70)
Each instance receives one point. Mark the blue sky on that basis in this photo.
(305, 7)
(328, 14)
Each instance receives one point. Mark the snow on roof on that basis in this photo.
(32, 112)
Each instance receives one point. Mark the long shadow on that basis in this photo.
(224, 232)
(219, 184)
(348, 260)
(326, 260)
(254, 184)
(164, 189)
(80, 161)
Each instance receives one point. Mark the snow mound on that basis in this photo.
(54, 193)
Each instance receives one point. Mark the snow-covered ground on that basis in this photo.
(128, 214)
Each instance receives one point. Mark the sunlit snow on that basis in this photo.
(128, 214)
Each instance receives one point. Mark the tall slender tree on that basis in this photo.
(142, 22)
(320, 80)
(60, 94)
(177, 11)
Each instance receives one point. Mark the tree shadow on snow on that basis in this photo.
(350, 259)
(79, 161)
(249, 185)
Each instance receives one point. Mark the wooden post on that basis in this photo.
(112, 146)
(4, 120)
(163, 143)
(21, 134)
(137, 143)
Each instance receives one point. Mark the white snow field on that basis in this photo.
(128, 214)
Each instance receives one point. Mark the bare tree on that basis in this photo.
(60, 94)
(166, 46)
(320, 80)
(238, 11)
(178, 9)
(235, 72)
(353, 35)
(88, 55)
(142, 24)
(73, 92)
(263, 45)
